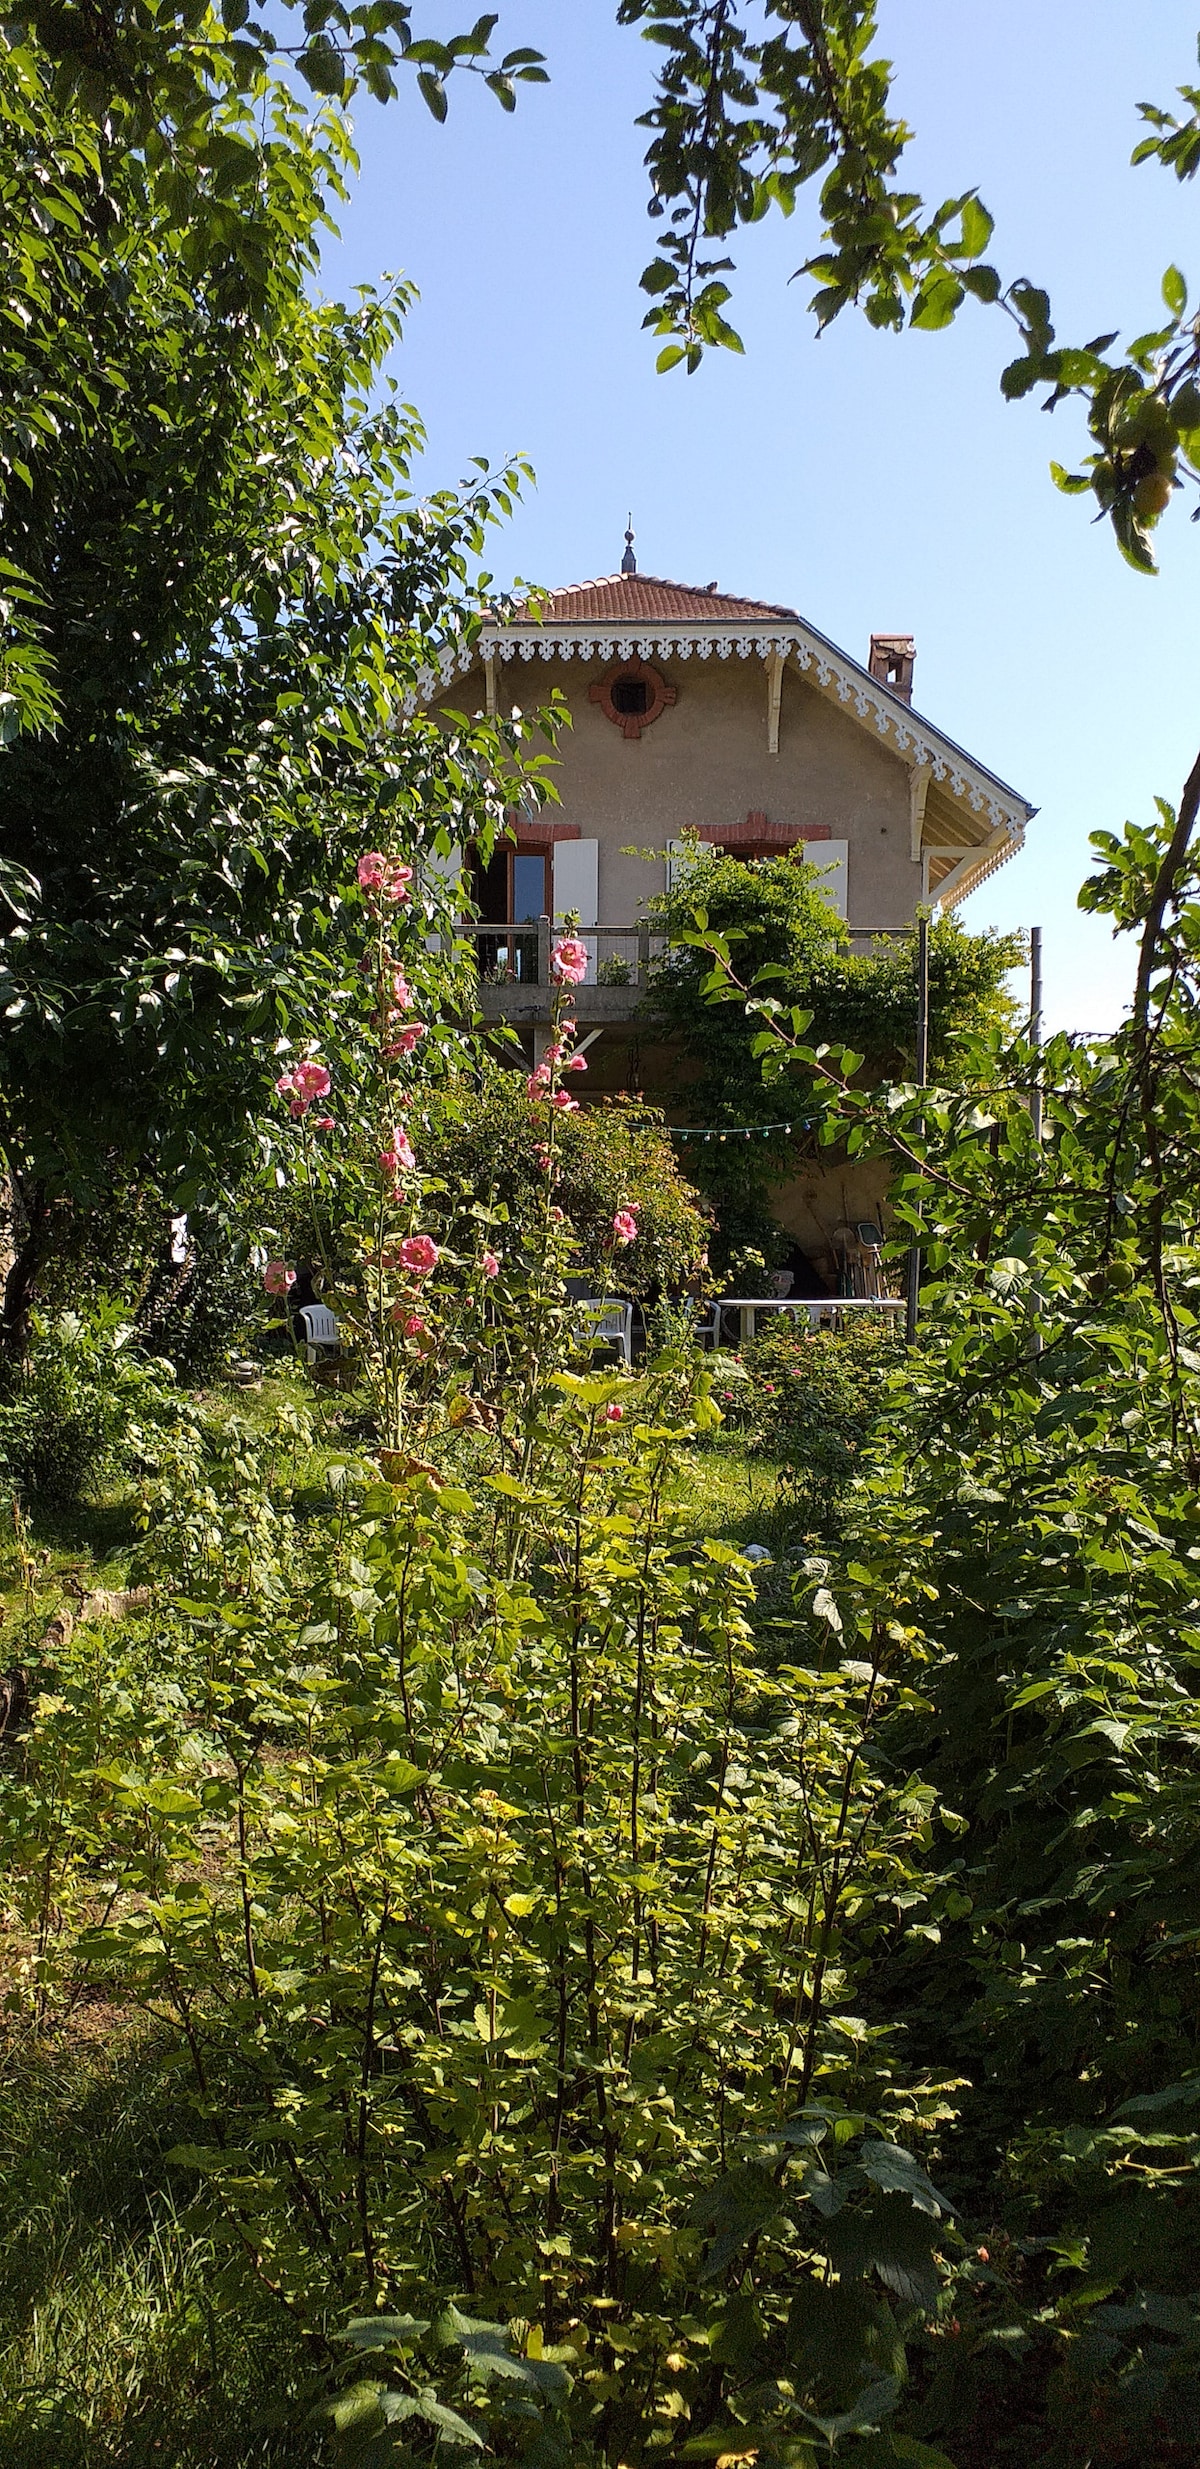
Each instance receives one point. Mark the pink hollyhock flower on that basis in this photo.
(538, 1082)
(311, 1079)
(399, 992)
(544, 1159)
(419, 1254)
(408, 1038)
(614, 1414)
(569, 960)
(490, 1264)
(277, 1277)
(323, 1123)
(565, 1104)
(302, 1084)
(625, 1225)
(575, 1063)
(384, 875)
(399, 1157)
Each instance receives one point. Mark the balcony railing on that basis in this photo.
(518, 953)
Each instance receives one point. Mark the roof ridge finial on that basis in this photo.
(629, 561)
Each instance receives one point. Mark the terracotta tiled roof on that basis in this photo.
(630, 597)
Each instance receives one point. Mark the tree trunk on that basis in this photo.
(20, 1285)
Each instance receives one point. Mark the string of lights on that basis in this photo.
(737, 1131)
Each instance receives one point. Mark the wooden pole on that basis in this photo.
(913, 1295)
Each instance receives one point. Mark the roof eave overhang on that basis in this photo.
(999, 812)
(974, 867)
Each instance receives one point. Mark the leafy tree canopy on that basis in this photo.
(752, 104)
(226, 596)
(166, 76)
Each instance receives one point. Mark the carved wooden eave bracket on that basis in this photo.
(967, 822)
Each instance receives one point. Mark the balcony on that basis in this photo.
(514, 970)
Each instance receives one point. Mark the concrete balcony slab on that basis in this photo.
(530, 1006)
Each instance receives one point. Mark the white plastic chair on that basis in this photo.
(318, 1328)
(706, 1328)
(609, 1322)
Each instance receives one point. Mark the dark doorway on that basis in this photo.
(513, 889)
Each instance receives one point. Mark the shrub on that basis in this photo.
(196, 1313)
(191, 1313)
(78, 1402)
(485, 1139)
(812, 1400)
(470, 1871)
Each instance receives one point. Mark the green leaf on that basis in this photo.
(322, 65)
(977, 227)
(658, 276)
(937, 302)
(383, 2331)
(738, 2207)
(352, 2410)
(397, 2407)
(1018, 378)
(1174, 291)
(874, 2403)
(896, 2171)
(713, 2441)
(893, 2237)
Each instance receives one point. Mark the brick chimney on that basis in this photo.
(891, 663)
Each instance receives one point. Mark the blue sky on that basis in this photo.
(872, 482)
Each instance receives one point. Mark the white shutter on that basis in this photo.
(436, 875)
(831, 858)
(576, 866)
(576, 879)
(675, 856)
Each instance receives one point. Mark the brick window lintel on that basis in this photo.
(758, 832)
(531, 833)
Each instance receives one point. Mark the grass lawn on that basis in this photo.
(116, 2351)
(51, 1556)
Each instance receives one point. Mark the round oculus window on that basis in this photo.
(632, 696)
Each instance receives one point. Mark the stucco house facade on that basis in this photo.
(698, 713)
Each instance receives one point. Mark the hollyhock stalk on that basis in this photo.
(568, 967)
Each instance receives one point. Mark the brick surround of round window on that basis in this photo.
(633, 696)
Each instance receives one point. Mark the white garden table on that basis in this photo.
(813, 1308)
